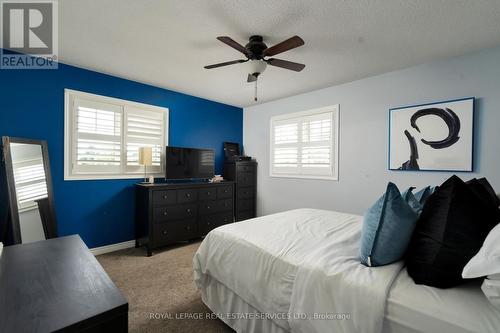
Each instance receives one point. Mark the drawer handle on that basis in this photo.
(225, 191)
(208, 223)
(165, 213)
(165, 196)
(188, 210)
(208, 207)
(164, 232)
(188, 195)
(225, 220)
(208, 193)
(188, 228)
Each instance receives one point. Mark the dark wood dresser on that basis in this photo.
(58, 285)
(244, 174)
(169, 213)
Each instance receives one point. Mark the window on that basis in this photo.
(103, 136)
(305, 144)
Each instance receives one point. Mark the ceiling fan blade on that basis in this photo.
(235, 45)
(286, 45)
(286, 64)
(251, 78)
(225, 64)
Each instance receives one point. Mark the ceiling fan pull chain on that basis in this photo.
(255, 98)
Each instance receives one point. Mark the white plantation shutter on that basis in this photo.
(286, 141)
(97, 141)
(305, 144)
(29, 177)
(316, 157)
(144, 129)
(103, 136)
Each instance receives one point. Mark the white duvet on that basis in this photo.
(300, 267)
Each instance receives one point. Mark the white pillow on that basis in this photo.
(487, 260)
(491, 288)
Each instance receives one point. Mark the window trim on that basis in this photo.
(69, 96)
(335, 109)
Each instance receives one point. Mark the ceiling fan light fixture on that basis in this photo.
(256, 52)
(256, 66)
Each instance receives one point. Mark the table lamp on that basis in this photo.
(146, 159)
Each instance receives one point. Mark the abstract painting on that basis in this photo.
(432, 137)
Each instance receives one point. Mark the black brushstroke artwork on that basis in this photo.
(412, 164)
(450, 118)
(452, 121)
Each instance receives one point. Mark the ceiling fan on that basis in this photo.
(259, 56)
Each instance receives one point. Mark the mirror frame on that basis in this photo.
(50, 224)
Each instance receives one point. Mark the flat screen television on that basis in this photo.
(187, 163)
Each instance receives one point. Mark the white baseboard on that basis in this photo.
(112, 247)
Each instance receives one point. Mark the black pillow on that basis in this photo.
(493, 195)
(480, 189)
(450, 231)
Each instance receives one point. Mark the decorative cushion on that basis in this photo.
(387, 229)
(487, 263)
(424, 193)
(488, 191)
(450, 231)
(487, 260)
(483, 190)
(410, 198)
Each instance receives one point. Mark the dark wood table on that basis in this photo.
(58, 285)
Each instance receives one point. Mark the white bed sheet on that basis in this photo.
(303, 261)
(413, 308)
(226, 304)
(252, 267)
(404, 314)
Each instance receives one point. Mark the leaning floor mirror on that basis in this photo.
(28, 187)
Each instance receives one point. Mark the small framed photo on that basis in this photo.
(432, 137)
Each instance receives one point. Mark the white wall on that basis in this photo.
(364, 108)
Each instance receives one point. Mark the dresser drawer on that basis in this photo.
(246, 168)
(224, 192)
(165, 233)
(187, 195)
(207, 208)
(207, 194)
(245, 204)
(246, 192)
(210, 222)
(163, 198)
(211, 207)
(224, 205)
(170, 213)
(246, 179)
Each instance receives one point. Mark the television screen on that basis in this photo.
(183, 163)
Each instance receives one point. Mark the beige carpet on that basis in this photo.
(160, 289)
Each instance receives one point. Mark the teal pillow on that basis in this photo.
(410, 198)
(387, 229)
(424, 193)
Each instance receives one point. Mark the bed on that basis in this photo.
(298, 271)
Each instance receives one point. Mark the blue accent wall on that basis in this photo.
(102, 211)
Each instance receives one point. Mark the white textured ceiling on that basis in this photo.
(166, 43)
